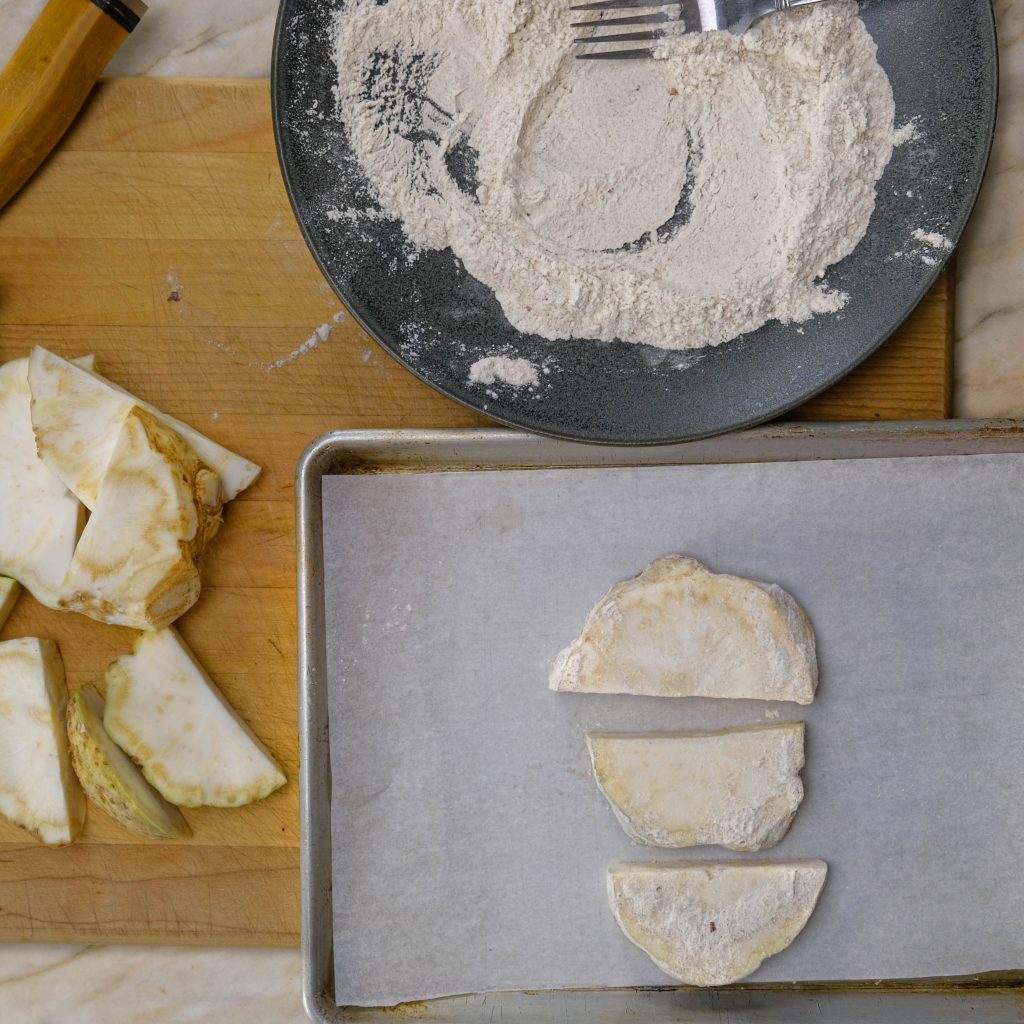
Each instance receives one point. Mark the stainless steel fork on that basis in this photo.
(682, 16)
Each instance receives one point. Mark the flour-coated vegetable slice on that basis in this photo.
(680, 630)
(714, 923)
(737, 788)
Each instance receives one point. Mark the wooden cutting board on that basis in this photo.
(159, 237)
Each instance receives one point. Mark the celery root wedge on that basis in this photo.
(111, 779)
(137, 561)
(77, 416)
(165, 711)
(38, 788)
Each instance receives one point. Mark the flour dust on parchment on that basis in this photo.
(678, 202)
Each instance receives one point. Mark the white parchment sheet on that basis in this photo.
(470, 841)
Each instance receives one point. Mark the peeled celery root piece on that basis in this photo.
(737, 788)
(165, 711)
(77, 417)
(706, 923)
(9, 592)
(137, 561)
(38, 788)
(39, 518)
(111, 779)
(680, 630)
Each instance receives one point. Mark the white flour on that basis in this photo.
(518, 373)
(679, 202)
(932, 238)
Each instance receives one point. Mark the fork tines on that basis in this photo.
(644, 54)
(660, 18)
(636, 19)
(614, 5)
(687, 17)
(620, 37)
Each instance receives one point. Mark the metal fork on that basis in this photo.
(734, 16)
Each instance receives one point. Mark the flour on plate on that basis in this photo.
(678, 202)
(519, 373)
(932, 238)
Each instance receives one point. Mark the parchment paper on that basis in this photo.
(470, 842)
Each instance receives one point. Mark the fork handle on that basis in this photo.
(785, 5)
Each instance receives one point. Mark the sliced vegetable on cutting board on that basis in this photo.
(739, 788)
(77, 417)
(137, 561)
(714, 923)
(165, 711)
(110, 778)
(39, 518)
(38, 788)
(10, 590)
(156, 489)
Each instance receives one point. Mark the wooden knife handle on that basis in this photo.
(51, 74)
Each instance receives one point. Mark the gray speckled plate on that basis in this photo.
(438, 320)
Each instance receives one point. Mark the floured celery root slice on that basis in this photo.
(9, 592)
(137, 561)
(111, 779)
(737, 788)
(708, 923)
(680, 630)
(165, 711)
(39, 518)
(38, 788)
(77, 417)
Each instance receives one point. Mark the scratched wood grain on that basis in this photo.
(159, 237)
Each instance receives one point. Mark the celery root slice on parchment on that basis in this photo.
(739, 788)
(714, 923)
(680, 630)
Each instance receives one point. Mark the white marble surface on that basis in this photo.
(185, 38)
(149, 985)
(233, 38)
(990, 261)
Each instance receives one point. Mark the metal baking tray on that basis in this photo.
(981, 998)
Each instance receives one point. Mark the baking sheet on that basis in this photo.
(470, 842)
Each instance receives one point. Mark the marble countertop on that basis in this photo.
(196, 38)
(182, 38)
(990, 259)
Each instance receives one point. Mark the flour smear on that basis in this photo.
(678, 202)
(517, 373)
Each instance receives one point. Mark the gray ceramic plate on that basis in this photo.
(437, 320)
